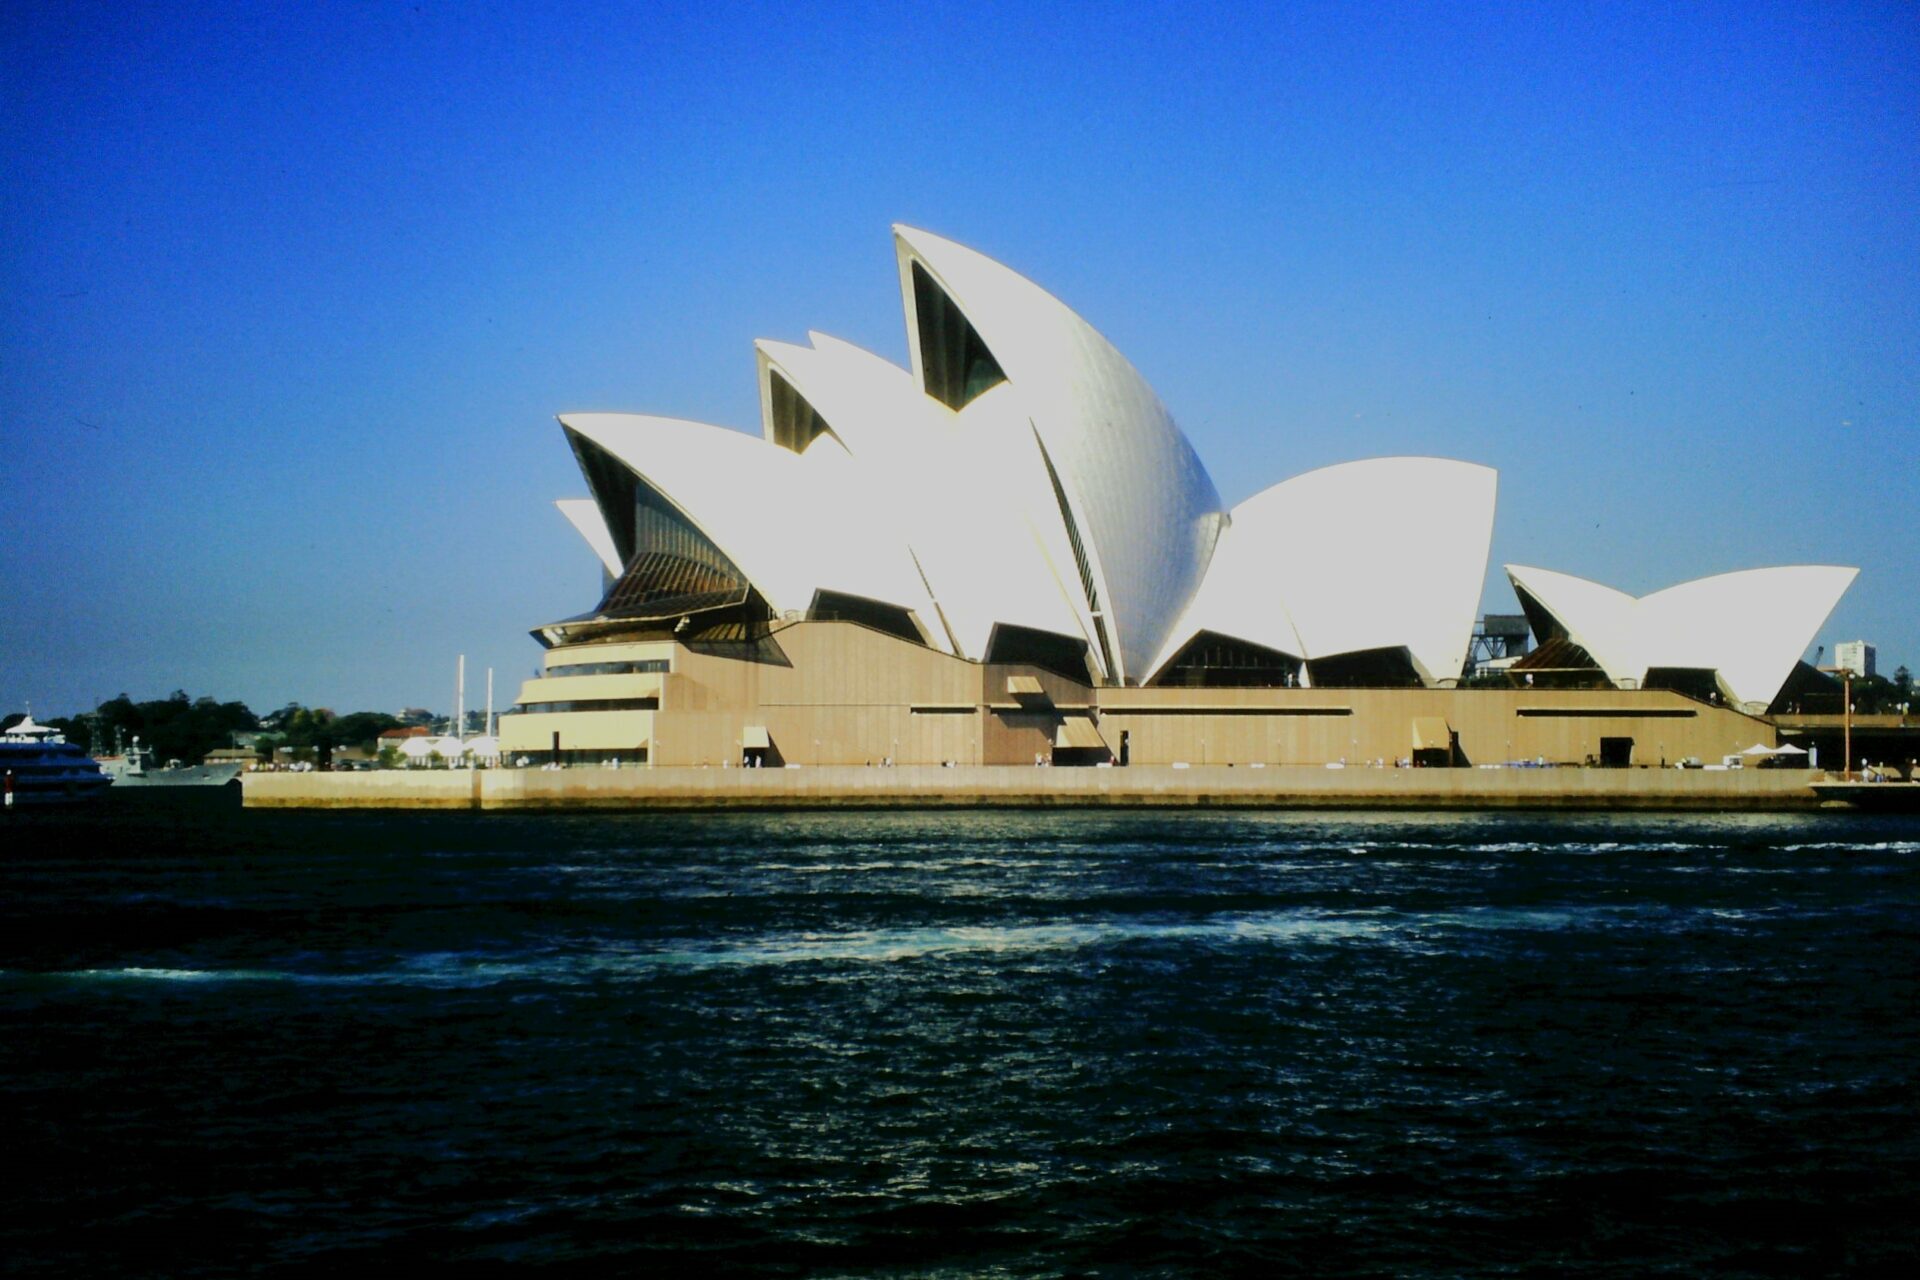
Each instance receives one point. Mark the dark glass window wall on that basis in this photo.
(956, 363)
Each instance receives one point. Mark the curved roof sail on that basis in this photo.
(1138, 505)
(793, 525)
(1596, 617)
(1750, 626)
(584, 515)
(963, 491)
(1385, 553)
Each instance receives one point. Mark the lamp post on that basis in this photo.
(1846, 719)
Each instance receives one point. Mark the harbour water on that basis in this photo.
(958, 1043)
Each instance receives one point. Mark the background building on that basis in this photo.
(1856, 656)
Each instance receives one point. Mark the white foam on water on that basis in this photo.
(136, 973)
(887, 945)
(1849, 846)
(413, 974)
(1508, 846)
(1501, 918)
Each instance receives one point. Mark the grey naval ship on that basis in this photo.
(136, 768)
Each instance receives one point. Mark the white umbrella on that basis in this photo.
(484, 747)
(417, 748)
(1758, 749)
(1788, 749)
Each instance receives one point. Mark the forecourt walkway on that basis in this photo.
(1140, 786)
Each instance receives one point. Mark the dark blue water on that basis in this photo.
(958, 1044)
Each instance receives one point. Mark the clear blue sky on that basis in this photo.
(292, 293)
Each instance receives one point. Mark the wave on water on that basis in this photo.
(1853, 846)
(877, 946)
(592, 962)
(137, 973)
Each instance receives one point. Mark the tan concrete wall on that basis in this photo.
(1298, 726)
(647, 650)
(1162, 786)
(577, 688)
(382, 789)
(579, 731)
(846, 695)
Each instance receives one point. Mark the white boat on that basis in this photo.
(41, 767)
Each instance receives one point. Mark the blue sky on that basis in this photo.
(294, 292)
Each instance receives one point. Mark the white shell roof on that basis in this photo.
(873, 405)
(967, 492)
(584, 515)
(999, 552)
(793, 524)
(909, 503)
(1751, 626)
(1238, 598)
(1364, 555)
(1597, 618)
(1147, 512)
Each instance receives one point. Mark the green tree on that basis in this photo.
(360, 728)
(176, 727)
(1874, 695)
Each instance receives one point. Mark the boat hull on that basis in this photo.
(49, 777)
(125, 777)
(1875, 797)
(62, 793)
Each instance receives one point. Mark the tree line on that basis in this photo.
(1877, 695)
(179, 727)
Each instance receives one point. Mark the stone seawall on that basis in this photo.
(1141, 786)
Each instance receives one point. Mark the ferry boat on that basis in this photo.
(41, 767)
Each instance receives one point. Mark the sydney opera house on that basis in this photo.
(1009, 553)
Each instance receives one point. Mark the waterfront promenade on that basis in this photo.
(1149, 786)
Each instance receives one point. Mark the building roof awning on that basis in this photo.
(1078, 732)
(754, 735)
(1025, 687)
(1430, 733)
